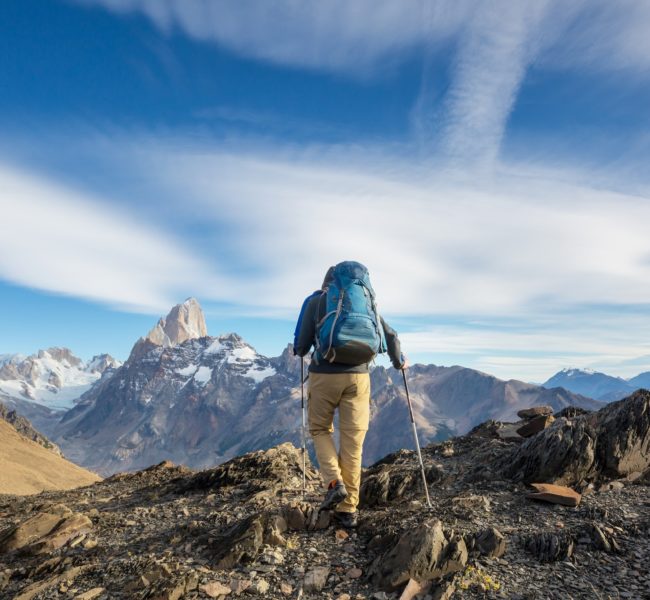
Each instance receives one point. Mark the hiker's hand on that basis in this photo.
(405, 365)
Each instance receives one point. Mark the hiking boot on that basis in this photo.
(336, 493)
(346, 520)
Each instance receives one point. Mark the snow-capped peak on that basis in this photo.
(54, 377)
(575, 371)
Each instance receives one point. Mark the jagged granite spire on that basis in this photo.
(184, 322)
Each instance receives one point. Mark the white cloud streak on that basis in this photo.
(334, 35)
(539, 347)
(499, 245)
(494, 53)
(60, 240)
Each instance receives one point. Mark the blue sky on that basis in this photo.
(487, 161)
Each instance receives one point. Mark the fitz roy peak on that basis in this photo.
(184, 322)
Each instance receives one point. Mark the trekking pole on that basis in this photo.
(417, 443)
(302, 404)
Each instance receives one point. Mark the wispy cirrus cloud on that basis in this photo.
(345, 36)
(491, 45)
(493, 56)
(336, 35)
(61, 240)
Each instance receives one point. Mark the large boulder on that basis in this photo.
(563, 454)
(624, 436)
(612, 443)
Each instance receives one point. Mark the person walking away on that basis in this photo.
(340, 321)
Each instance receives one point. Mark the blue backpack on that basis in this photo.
(351, 331)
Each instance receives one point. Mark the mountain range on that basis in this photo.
(599, 386)
(199, 400)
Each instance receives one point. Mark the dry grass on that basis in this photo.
(27, 468)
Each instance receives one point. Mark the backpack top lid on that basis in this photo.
(348, 271)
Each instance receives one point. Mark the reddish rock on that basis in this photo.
(556, 494)
(535, 425)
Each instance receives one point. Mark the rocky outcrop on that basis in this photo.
(393, 478)
(612, 443)
(258, 474)
(623, 445)
(46, 531)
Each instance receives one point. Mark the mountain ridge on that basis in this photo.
(200, 400)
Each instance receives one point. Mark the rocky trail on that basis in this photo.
(242, 530)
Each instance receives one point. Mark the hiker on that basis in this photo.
(341, 321)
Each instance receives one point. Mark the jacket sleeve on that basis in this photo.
(305, 332)
(393, 345)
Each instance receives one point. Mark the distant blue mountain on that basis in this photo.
(641, 381)
(598, 386)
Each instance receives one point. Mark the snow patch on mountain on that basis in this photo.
(187, 371)
(203, 374)
(260, 374)
(214, 348)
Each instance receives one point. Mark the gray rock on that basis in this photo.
(549, 546)
(489, 542)
(624, 436)
(316, 579)
(422, 553)
(393, 478)
(239, 543)
(564, 454)
(535, 425)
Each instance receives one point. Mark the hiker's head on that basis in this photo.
(328, 277)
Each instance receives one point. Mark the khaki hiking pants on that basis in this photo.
(350, 393)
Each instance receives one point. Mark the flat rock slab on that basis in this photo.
(90, 594)
(556, 494)
(46, 531)
(535, 411)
